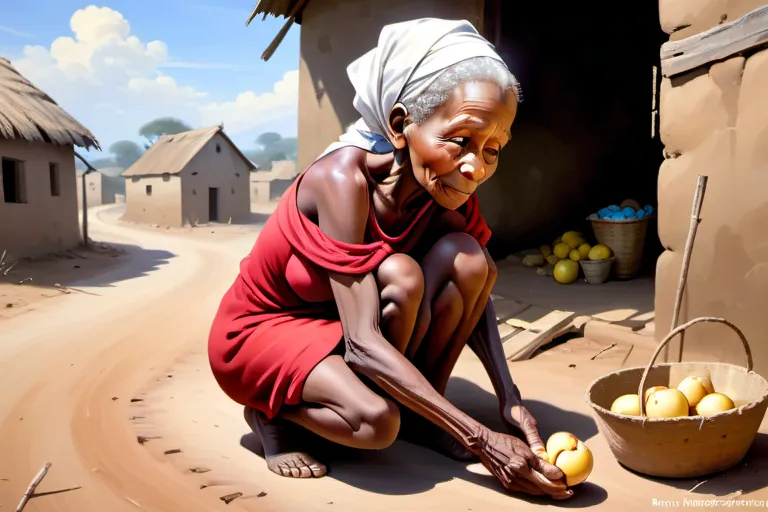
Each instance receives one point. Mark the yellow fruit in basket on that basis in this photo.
(584, 250)
(575, 255)
(667, 403)
(695, 388)
(566, 271)
(714, 403)
(600, 252)
(652, 390)
(552, 259)
(545, 250)
(628, 405)
(573, 239)
(572, 456)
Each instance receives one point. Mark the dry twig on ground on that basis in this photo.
(32, 486)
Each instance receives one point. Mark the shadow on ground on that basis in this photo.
(749, 475)
(406, 469)
(98, 265)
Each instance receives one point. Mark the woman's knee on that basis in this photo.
(401, 280)
(382, 418)
(467, 258)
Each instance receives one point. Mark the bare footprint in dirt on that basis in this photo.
(281, 445)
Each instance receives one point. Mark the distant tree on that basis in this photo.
(267, 139)
(126, 152)
(287, 148)
(162, 126)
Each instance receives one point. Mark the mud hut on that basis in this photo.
(270, 185)
(189, 178)
(102, 187)
(38, 201)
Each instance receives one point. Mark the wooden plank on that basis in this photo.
(507, 308)
(748, 32)
(542, 331)
(507, 331)
(526, 318)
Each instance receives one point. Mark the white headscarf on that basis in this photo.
(408, 58)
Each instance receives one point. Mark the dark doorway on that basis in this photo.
(585, 136)
(14, 187)
(213, 204)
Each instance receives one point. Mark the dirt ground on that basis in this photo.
(111, 384)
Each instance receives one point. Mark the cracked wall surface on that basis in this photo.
(714, 121)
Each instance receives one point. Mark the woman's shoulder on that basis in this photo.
(335, 177)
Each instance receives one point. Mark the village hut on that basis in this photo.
(189, 178)
(38, 200)
(270, 185)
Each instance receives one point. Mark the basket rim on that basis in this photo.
(626, 221)
(691, 419)
(597, 262)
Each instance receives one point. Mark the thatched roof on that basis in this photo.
(290, 9)
(170, 154)
(27, 113)
(281, 170)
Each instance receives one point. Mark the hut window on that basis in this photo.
(53, 174)
(194, 173)
(14, 184)
(233, 190)
(149, 190)
(218, 148)
(237, 175)
(194, 192)
(166, 176)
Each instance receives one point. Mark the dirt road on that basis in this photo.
(72, 367)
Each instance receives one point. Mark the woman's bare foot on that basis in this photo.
(279, 441)
(417, 430)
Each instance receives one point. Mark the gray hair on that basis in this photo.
(470, 70)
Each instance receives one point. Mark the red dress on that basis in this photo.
(279, 319)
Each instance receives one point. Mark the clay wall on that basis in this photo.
(714, 121)
(44, 222)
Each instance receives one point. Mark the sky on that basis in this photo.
(119, 64)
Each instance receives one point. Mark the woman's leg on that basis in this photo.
(455, 274)
(336, 406)
(401, 288)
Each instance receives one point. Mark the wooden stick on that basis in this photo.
(32, 486)
(698, 199)
(283, 31)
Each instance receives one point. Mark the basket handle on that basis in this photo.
(675, 332)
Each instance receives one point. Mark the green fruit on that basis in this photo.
(566, 271)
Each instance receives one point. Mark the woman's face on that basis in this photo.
(457, 148)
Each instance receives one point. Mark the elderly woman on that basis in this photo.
(351, 310)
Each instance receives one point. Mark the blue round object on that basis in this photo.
(628, 212)
(648, 209)
(614, 208)
(603, 213)
(618, 216)
(640, 214)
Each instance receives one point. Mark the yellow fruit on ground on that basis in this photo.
(574, 255)
(562, 250)
(667, 403)
(652, 390)
(629, 405)
(566, 271)
(714, 403)
(599, 252)
(533, 260)
(695, 388)
(573, 239)
(545, 250)
(584, 250)
(568, 453)
(552, 259)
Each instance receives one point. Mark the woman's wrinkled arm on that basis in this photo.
(342, 215)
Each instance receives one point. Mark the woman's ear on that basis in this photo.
(397, 124)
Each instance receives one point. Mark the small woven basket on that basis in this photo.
(626, 238)
(597, 271)
(689, 446)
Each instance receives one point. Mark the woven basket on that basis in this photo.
(626, 238)
(685, 447)
(597, 271)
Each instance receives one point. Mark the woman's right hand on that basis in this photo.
(513, 463)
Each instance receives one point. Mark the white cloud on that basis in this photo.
(101, 71)
(15, 32)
